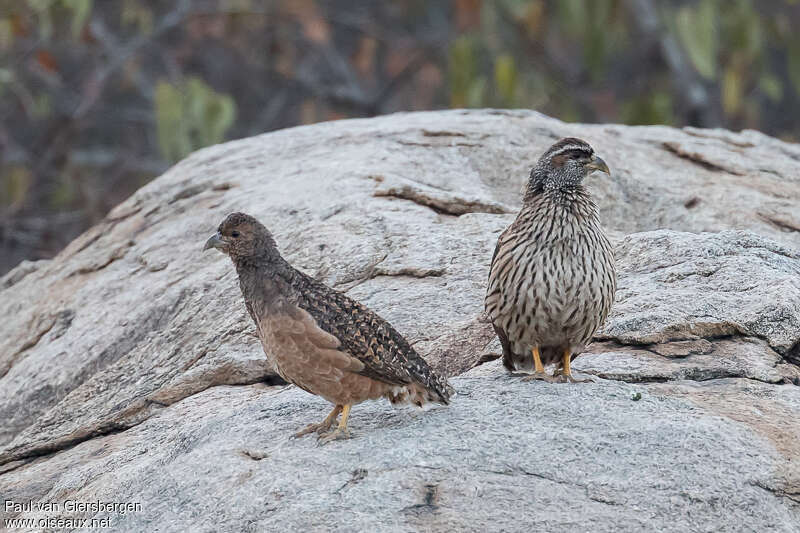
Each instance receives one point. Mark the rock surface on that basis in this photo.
(506, 455)
(128, 369)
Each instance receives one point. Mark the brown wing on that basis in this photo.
(311, 357)
(386, 355)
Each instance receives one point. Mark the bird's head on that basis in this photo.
(242, 237)
(563, 166)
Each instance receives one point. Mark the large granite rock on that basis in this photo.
(129, 372)
(505, 456)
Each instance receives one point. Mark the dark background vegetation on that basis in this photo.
(98, 97)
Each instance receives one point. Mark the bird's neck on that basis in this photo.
(574, 205)
(564, 194)
(541, 181)
(264, 280)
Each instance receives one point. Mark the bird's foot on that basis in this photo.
(320, 428)
(560, 377)
(336, 434)
(539, 376)
(323, 426)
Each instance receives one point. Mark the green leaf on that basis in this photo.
(6, 34)
(45, 21)
(219, 116)
(742, 30)
(64, 193)
(476, 94)
(172, 139)
(655, 108)
(190, 116)
(462, 70)
(697, 32)
(505, 80)
(573, 16)
(793, 63)
(771, 86)
(42, 105)
(81, 9)
(15, 182)
(135, 13)
(731, 90)
(518, 8)
(597, 37)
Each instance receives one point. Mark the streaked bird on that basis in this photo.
(552, 278)
(318, 338)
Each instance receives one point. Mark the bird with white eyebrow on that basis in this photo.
(552, 278)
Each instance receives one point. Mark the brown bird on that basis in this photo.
(552, 278)
(318, 338)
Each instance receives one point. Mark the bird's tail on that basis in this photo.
(438, 391)
(444, 391)
(512, 361)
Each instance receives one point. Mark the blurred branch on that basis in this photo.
(384, 93)
(701, 110)
(79, 118)
(119, 56)
(556, 61)
(352, 95)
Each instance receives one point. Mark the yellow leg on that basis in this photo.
(323, 426)
(565, 369)
(538, 368)
(565, 361)
(537, 361)
(345, 414)
(340, 432)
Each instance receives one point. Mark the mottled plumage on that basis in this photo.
(552, 278)
(317, 337)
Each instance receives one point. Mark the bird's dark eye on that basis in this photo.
(234, 234)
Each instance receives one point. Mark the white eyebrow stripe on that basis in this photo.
(569, 147)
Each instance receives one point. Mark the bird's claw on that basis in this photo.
(311, 428)
(539, 376)
(559, 377)
(323, 426)
(320, 428)
(336, 434)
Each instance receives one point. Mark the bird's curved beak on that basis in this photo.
(215, 241)
(597, 163)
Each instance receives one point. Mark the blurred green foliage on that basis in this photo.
(655, 108)
(189, 116)
(98, 97)
(594, 60)
(78, 12)
(696, 26)
(505, 80)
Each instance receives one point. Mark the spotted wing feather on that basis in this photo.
(385, 354)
